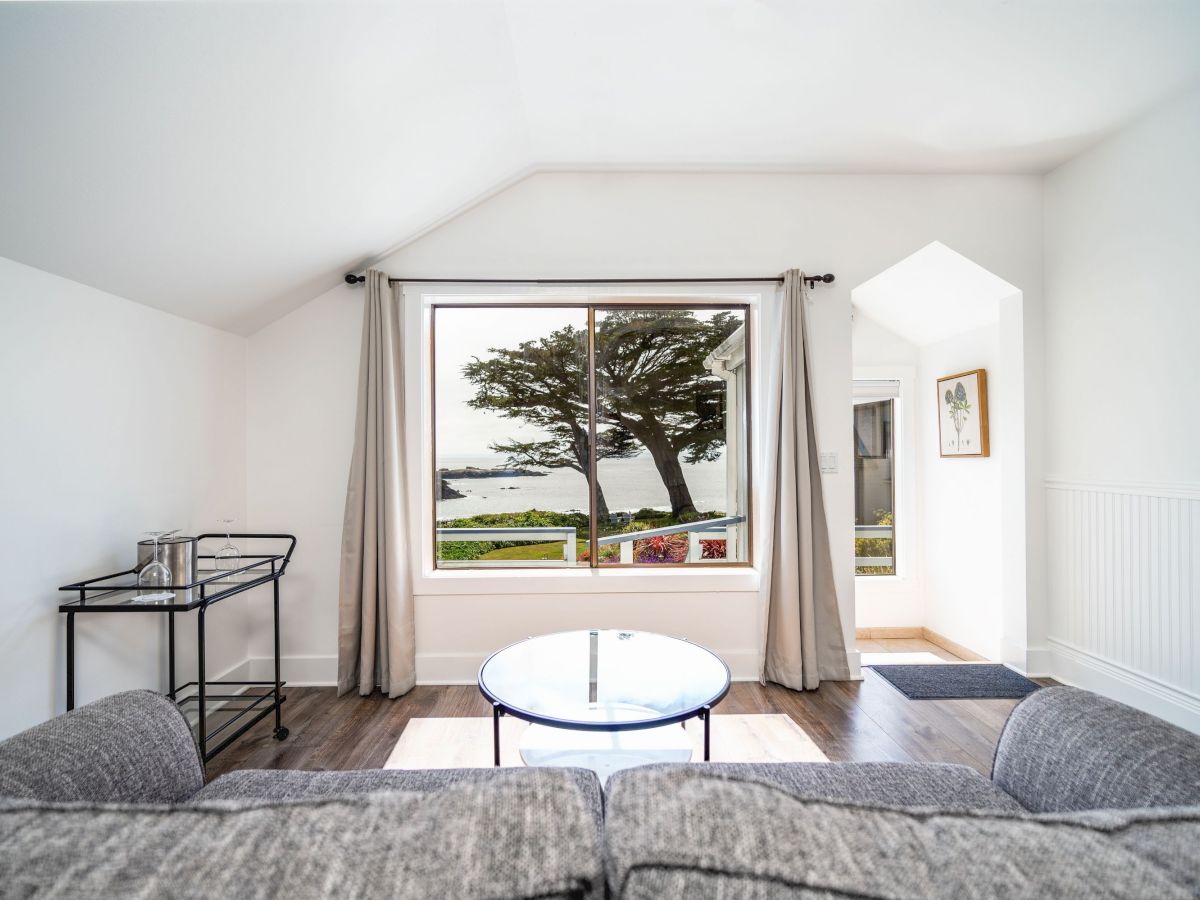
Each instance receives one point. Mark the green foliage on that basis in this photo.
(537, 550)
(652, 389)
(530, 518)
(876, 547)
(544, 382)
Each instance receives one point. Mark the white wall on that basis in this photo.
(1122, 269)
(116, 419)
(961, 502)
(302, 369)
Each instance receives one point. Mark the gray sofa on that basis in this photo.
(1087, 798)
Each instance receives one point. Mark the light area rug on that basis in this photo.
(467, 742)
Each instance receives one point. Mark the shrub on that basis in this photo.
(530, 518)
(670, 548)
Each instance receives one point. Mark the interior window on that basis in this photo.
(874, 478)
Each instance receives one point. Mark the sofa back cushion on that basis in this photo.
(526, 837)
(1064, 749)
(133, 747)
(685, 833)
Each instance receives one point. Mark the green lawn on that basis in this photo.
(552, 550)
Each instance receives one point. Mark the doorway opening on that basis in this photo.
(939, 464)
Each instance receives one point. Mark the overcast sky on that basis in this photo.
(463, 334)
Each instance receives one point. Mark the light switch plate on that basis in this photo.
(828, 461)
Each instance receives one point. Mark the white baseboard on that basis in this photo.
(298, 671)
(444, 668)
(1075, 666)
(463, 668)
(1039, 662)
(854, 658)
(1032, 662)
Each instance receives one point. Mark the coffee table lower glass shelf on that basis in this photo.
(604, 700)
(605, 752)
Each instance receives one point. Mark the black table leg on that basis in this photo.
(171, 655)
(203, 724)
(497, 712)
(280, 732)
(706, 715)
(70, 661)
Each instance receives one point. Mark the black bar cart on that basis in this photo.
(115, 593)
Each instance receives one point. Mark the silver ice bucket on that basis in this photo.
(177, 553)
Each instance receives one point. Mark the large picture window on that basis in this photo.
(590, 435)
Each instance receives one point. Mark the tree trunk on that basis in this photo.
(581, 456)
(666, 460)
(601, 505)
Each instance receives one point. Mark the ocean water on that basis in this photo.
(629, 484)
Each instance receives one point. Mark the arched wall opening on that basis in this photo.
(958, 522)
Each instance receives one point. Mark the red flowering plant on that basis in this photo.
(712, 549)
(669, 548)
(608, 553)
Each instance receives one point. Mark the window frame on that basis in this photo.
(904, 474)
(864, 399)
(596, 298)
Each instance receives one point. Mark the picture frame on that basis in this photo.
(963, 415)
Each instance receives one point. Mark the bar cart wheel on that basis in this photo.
(281, 734)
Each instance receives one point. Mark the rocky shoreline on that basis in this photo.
(446, 492)
(474, 472)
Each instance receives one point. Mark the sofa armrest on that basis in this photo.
(133, 747)
(1064, 749)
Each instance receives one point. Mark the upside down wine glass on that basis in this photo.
(228, 557)
(154, 576)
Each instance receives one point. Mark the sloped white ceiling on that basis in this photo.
(229, 161)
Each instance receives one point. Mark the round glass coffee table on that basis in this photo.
(603, 700)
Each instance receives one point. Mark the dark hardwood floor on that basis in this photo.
(864, 720)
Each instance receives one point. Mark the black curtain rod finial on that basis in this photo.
(351, 278)
(812, 280)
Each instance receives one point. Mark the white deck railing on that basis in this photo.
(874, 532)
(725, 527)
(547, 535)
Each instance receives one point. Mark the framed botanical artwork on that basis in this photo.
(963, 414)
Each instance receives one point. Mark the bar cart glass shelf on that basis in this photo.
(244, 706)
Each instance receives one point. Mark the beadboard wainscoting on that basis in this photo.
(1124, 617)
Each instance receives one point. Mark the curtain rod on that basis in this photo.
(812, 280)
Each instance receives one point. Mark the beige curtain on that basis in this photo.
(376, 641)
(803, 640)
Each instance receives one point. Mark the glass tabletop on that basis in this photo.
(604, 680)
(128, 597)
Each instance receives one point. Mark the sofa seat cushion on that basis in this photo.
(939, 785)
(286, 784)
(684, 832)
(521, 837)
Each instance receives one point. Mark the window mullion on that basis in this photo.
(593, 519)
